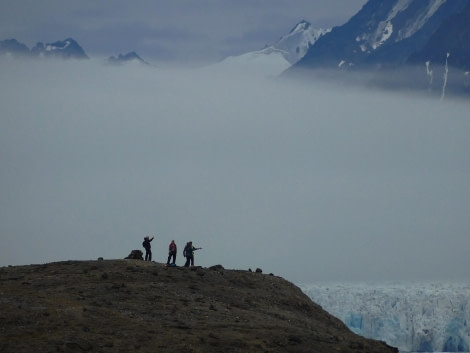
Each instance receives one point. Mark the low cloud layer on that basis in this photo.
(307, 181)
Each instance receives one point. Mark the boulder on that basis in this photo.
(136, 255)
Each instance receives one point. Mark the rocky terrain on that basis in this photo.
(135, 306)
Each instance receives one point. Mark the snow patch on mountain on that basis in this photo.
(63, 45)
(65, 49)
(385, 28)
(421, 19)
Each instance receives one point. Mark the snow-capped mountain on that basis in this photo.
(125, 58)
(415, 317)
(295, 44)
(276, 58)
(386, 33)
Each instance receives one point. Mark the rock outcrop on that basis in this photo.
(133, 305)
(135, 255)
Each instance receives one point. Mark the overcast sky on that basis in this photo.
(307, 181)
(178, 30)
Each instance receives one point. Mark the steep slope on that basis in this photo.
(132, 305)
(278, 57)
(384, 33)
(296, 43)
(452, 37)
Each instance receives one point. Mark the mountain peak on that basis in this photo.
(124, 58)
(67, 49)
(273, 59)
(295, 44)
(13, 48)
(301, 26)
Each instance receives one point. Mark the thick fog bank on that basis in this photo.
(427, 80)
(303, 180)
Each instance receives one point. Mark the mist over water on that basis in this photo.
(307, 181)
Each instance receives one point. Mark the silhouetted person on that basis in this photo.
(188, 253)
(147, 247)
(172, 249)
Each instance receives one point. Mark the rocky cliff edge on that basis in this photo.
(136, 306)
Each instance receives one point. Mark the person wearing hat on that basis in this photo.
(147, 247)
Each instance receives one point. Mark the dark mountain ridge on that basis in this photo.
(452, 37)
(389, 43)
(132, 305)
(383, 34)
(64, 49)
(14, 48)
(125, 58)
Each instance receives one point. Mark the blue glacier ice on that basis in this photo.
(413, 316)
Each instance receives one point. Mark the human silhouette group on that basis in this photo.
(188, 252)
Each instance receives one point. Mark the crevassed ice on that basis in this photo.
(413, 316)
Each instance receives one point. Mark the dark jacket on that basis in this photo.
(188, 251)
(146, 244)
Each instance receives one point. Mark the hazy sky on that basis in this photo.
(308, 181)
(177, 30)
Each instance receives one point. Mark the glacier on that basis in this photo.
(412, 316)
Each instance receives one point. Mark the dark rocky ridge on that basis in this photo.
(132, 305)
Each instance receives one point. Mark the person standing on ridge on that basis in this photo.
(147, 247)
(188, 253)
(172, 249)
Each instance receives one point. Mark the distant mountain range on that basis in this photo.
(414, 40)
(394, 44)
(64, 49)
